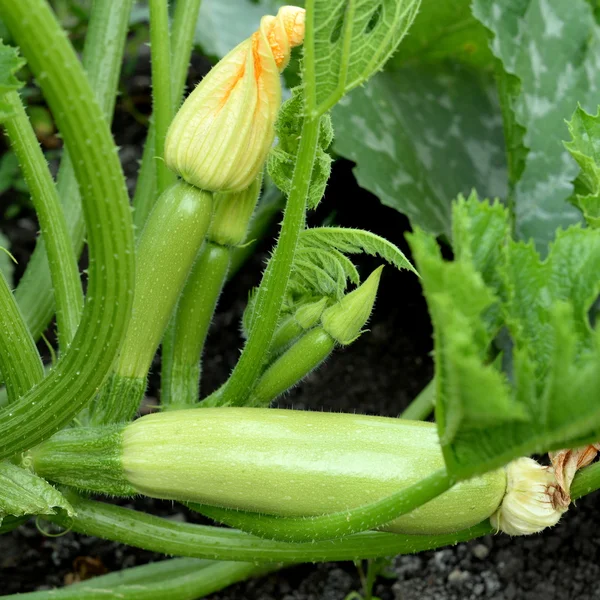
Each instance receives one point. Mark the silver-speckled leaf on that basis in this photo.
(553, 47)
(420, 136)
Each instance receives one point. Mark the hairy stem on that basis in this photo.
(185, 539)
(272, 288)
(84, 365)
(102, 58)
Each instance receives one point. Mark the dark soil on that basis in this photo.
(379, 374)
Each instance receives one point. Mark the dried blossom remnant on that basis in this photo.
(566, 463)
(221, 136)
(529, 505)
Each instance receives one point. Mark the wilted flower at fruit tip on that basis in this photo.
(221, 136)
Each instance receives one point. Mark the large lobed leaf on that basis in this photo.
(553, 48)
(486, 417)
(422, 135)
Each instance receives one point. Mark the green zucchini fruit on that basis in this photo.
(279, 462)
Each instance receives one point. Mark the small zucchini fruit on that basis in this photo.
(279, 462)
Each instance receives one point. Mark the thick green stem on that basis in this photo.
(305, 355)
(84, 365)
(422, 406)
(181, 372)
(20, 362)
(102, 58)
(197, 541)
(174, 579)
(272, 289)
(162, 104)
(182, 39)
(336, 525)
(586, 481)
(66, 283)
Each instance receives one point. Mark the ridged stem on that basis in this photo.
(102, 58)
(20, 362)
(185, 539)
(64, 272)
(162, 105)
(84, 365)
(271, 292)
(182, 39)
(181, 365)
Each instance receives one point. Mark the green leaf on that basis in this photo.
(458, 298)
(585, 149)
(485, 417)
(347, 41)
(553, 48)
(355, 241)
(282, 159)
(23, 493)
(420, 136)
(444, 31)
(10, 63)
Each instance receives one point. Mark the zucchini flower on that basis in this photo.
(220, 138)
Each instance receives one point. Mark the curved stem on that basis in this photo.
(83, 367)
(20, 362)
(66, 283)
(185, 539)
(586, 481)
(174, 579)
(273, 285)
(102, 58)
(335, 525)
(161, 87)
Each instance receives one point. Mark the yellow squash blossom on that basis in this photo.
(221, 136)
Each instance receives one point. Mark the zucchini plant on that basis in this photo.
(516, 346)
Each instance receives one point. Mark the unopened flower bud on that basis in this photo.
(232, 214)
(221, 136)
(529, 505)
(308, 315)
(344, 321)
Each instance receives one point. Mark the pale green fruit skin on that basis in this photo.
(296, 463)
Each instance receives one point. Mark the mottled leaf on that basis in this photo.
(443, 31)
(420, 136)
(223, 24)
(553, 48)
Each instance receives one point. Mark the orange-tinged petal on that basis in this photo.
(220, 138)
